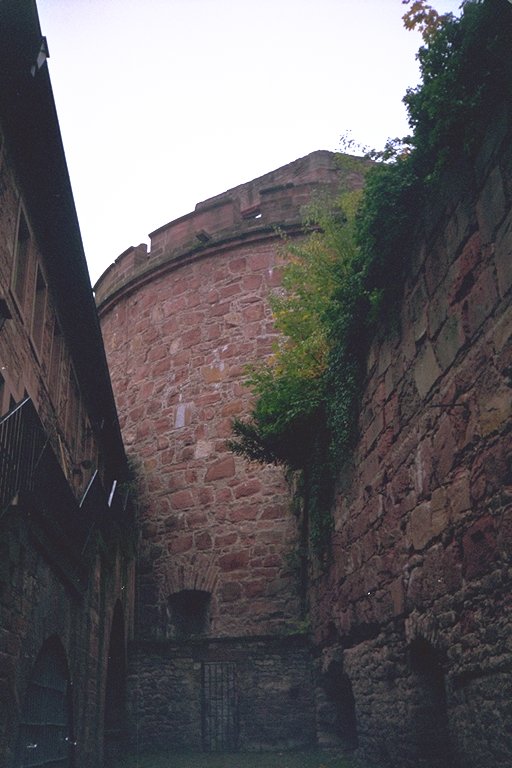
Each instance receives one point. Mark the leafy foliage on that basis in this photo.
(466, 70)
(306, 393)
(422, 16)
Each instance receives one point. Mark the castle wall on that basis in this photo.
(217, 553)
(415, 609)
(179, 329)
(411, 614)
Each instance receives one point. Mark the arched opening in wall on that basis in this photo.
(189, 613)
(430, 714)
(337, 722)
(115, 690)
(45, 734)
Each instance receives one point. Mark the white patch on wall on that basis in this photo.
(181, 412)
(203, 449)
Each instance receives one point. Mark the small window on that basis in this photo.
(63, 402)
(38, 314)
(73, 413)
(189, 613)
(21, 260)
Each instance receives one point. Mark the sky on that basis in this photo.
(165, 103)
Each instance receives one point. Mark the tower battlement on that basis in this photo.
(276, 199)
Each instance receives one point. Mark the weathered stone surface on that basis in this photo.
(439, 548)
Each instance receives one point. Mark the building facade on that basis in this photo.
(65, 564)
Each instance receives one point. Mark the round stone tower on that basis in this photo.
(181, 322)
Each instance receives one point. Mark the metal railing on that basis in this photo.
(30, 471)
(22, 443)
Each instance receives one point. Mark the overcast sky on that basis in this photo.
(164, 103)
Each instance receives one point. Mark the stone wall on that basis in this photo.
(416, 607)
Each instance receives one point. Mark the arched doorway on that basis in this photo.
(430, 720)
(336, 709)
(115, 690)
(45, 734)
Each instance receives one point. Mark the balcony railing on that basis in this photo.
(22, 443)
(32, 477)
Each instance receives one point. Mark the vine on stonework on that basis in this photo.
(345, 279)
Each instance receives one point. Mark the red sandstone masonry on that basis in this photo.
(179, 329)
(422, 544)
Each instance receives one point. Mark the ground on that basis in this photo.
(313, 759)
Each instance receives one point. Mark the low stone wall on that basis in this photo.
(264, 684)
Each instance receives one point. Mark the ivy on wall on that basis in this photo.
(346, 278)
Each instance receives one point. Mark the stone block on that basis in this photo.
(495, 411)
(417, 305)
(234, 561)
(419, 529)
(458, 228)
(230, 591)
(502, 331)
(223, 468)
(397, 595)
(449, 341)
(248, 488)
(460, 498)
(444, 447)
(182, 499)
(426, 370)
(481, 300)
(203, 541)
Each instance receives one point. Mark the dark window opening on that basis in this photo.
(21, 263)
(252, 213)
(189, 613)
(45, 731)
(55, 364)
(39, 310)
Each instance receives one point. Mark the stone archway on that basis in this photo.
(336, 706)
(429, 713)
(45, 733)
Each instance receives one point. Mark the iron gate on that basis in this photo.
(220, 720)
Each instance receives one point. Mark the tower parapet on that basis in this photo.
(276, 199)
